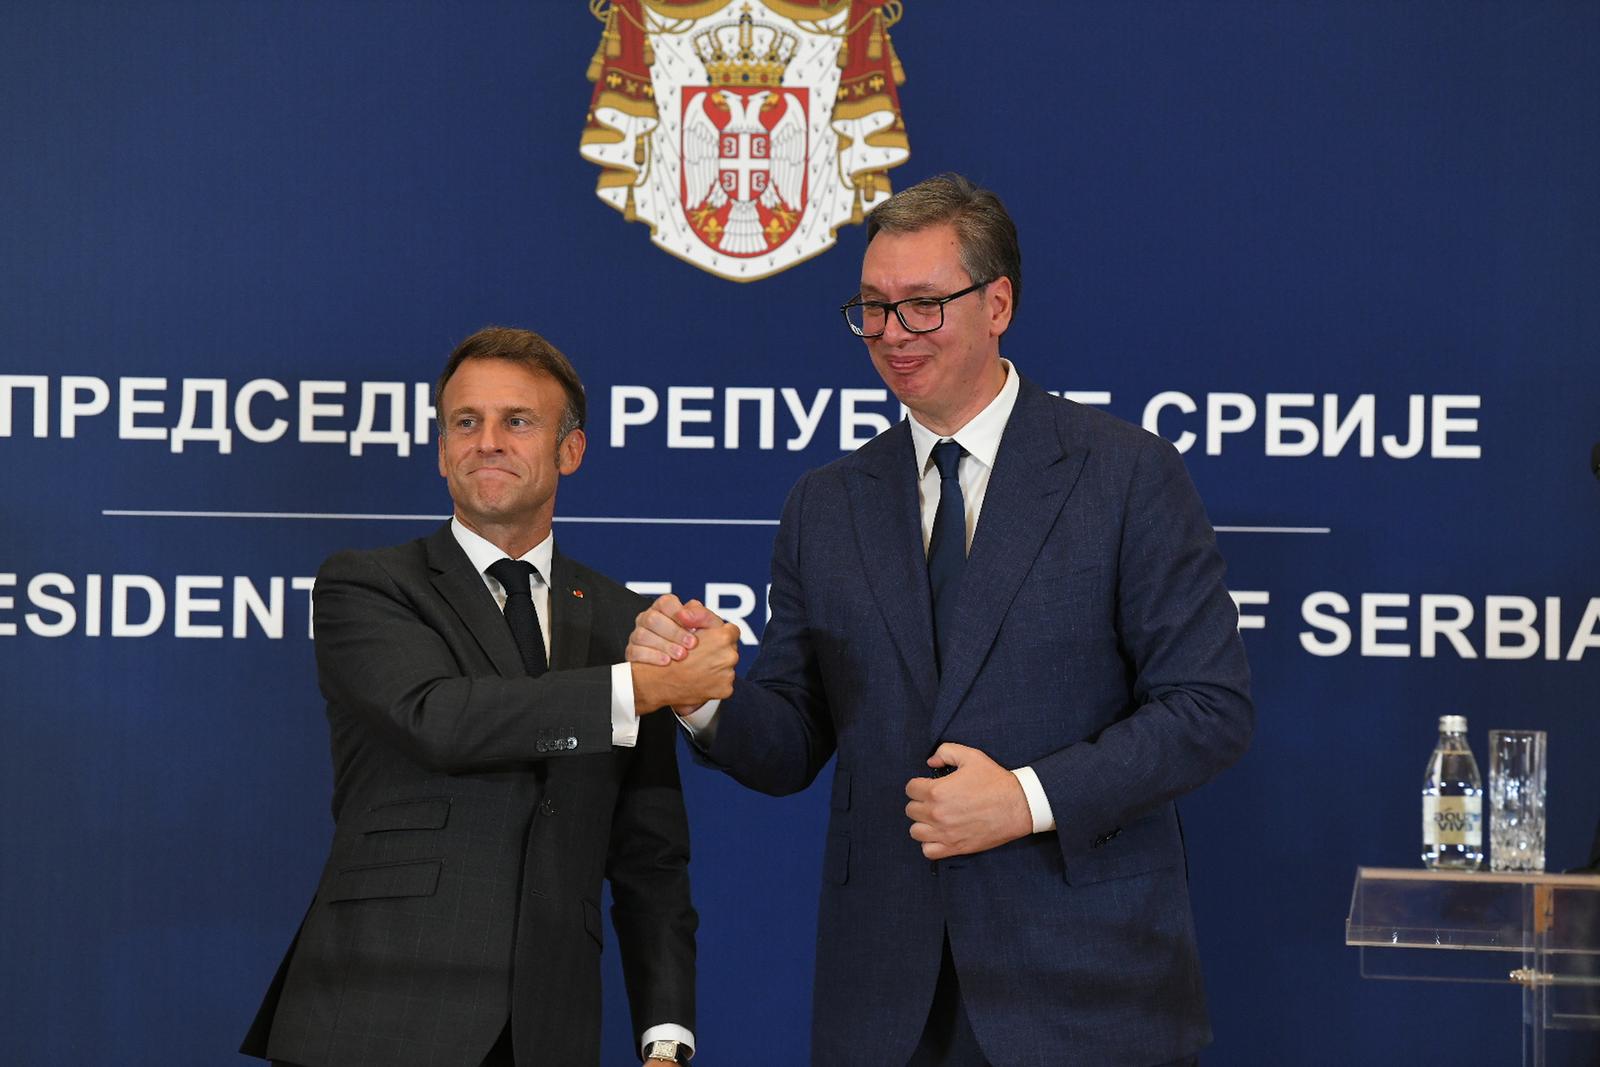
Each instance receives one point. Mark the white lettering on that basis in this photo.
(72, 408)
(422, 413)
(130, 407)
(1151, 420)
(217, 431)
(1372, 623)
(1414, 437)
(1279, 425)
(1363, 419)
(306, 585)
(806, 420)
(1219, 423)
(66, 615)
(366, 432)
(247, 603)
(91, 606)
(1507, 617)
(311, 411)
(186, 605)
(243, 419)
(121, 624)
(622, 416)
(1253, 599)
(41, 401)
(850, 420)
(678, 415)
(1096, 397)
(1314, 610)
(1452, 628)
(1444, 425)
(1586, 637)
(735, 396)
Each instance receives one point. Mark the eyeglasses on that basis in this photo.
(918, 314)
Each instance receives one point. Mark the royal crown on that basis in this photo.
(745, 52)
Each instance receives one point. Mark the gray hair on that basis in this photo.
(987, 236)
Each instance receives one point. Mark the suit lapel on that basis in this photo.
(461, 586)
(888, 527)
(570, 616)
(1032, 478)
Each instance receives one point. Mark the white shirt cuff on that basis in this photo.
(666, 1032)
(1038, 804)
(701, 723)
(624, 720)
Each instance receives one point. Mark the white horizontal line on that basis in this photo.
(593, 519)
(640, 521)
(115, 513)
(1274, 529)
(612, 520)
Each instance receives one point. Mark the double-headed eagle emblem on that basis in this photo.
(745, 133)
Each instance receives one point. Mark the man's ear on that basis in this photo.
(997, 298)
(569, 453)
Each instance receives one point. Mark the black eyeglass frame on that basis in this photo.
(894, 306)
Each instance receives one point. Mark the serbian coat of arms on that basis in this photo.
(745, 132)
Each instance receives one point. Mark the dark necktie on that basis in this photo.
(947, 546)
(515, 575)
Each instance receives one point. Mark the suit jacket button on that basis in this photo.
(546, 808)
(572, 743)
(541, 746)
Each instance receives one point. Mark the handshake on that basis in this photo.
(681, 656)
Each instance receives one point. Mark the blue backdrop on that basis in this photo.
(1268, 225)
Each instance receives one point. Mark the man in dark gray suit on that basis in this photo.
(1023, 596)
(486, 778)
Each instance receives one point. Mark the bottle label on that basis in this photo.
(1452, 821)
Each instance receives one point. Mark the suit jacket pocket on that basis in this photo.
(377, 880)
(1147, 844)
(419, 813)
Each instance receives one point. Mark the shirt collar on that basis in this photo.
(980, 437)
(483, 552)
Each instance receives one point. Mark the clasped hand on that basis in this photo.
(682, 655)
(978, 806)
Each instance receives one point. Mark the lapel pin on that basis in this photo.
(578, 593)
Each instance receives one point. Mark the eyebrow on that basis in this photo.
(521, 409)
(867, 292)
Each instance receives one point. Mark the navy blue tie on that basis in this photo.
(516, 575)
(947, 546)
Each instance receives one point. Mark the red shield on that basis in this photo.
(743, 182)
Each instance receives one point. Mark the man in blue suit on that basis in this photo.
(1020, 647)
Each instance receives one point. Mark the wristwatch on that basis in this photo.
(673, 1051)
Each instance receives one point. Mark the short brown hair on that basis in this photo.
(988, 237)
(528, 349)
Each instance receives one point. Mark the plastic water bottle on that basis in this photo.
(1452, 802)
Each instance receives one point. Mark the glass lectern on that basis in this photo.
(1541, 931)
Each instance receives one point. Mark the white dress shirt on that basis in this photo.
(624, 720)
(980, 438)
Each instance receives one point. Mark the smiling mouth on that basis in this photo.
(902, 364)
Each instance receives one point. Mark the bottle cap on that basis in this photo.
(1452, 724)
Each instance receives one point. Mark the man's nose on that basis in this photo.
(489, 438)
(894, 331)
